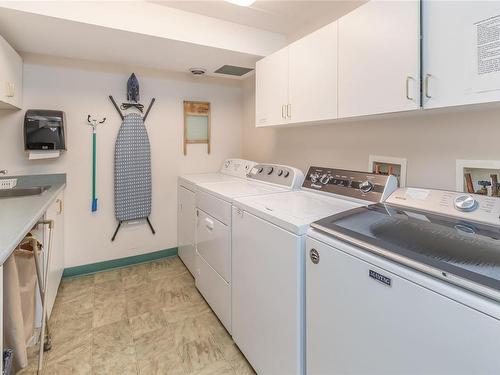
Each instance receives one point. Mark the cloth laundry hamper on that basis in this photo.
(19, 307)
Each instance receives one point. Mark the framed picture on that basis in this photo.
(196, 124)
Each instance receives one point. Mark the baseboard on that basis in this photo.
(88, 269)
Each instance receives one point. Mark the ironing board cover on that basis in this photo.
(132, 170)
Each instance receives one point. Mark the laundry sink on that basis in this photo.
(23, 192)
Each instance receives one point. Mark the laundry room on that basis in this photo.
(241, 187)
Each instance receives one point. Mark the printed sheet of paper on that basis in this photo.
(486, 64)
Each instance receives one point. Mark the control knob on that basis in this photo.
(270, 171)
(366, 186)
(465, 203)
(260, 170)
(325, 179)
(314, 177)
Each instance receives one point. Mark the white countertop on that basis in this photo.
(19, 215)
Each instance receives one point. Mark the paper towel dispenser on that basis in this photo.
(44, 130)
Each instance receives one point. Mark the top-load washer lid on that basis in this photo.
(232, 189)
(461, 246)
(231, 170)
(325, 191)
(295, 210)
(262, 179)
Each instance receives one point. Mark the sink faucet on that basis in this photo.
(4, 171)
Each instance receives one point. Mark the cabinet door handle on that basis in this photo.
(289, 110)
(426, 86)
(209, 224)
(283, 111)
(408, 79)
(60, 204)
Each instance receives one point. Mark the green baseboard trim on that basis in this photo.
(88, 269)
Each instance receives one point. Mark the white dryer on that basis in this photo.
(268, 263)
(213, 230)
(231, 170)
(409, 286)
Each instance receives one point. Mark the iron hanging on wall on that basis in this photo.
(132, 162)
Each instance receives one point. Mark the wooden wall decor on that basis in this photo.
(196, 124)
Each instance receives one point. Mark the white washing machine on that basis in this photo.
(268, 262)
(213, 229)
(231, 170)
(408, 287)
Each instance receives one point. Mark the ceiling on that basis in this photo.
(286, 17)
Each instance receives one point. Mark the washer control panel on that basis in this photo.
(361, 185)
(237, 167)
(475, 207)
(277, 174)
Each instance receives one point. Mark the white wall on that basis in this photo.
(430, 140)
(81, 88)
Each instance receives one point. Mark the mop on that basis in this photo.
(93, 123)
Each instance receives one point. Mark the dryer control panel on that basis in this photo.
(282, 175)
(237, 167)
(360, 185)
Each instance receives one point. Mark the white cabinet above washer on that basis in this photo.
(454, 33)
(11, 77)
(298, 84)
(379, 58)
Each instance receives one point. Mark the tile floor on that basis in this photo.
(144, 319)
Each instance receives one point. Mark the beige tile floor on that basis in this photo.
(144, 319)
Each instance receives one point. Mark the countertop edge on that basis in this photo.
(53, 192)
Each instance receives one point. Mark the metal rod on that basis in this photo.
(116, 231)
(149, 223)
(116, 106)
(50, 223)
(34, 244)
(149, 108)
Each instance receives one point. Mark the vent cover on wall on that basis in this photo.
(233, 70)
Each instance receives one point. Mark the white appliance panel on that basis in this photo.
(215, 206)
(215, 290)
(214, 244)
(186, 219)
(357, 324)
(267, 295)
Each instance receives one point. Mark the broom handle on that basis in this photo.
(94, 198)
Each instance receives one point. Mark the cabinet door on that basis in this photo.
(186, 216)
(11, 72)
(379, 58)
(450, 52)
(271, 89)
(313, 76)
(55, 212)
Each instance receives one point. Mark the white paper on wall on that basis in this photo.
(486, 57)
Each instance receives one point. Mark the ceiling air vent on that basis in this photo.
(233, 70)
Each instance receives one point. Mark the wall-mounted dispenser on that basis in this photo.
(44, 133)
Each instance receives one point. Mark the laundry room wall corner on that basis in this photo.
(78, 88)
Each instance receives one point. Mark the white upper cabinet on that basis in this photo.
(298, 84)
(461, 59)
(379, 58)
(313, 76)
(11, 77)
(271, 88)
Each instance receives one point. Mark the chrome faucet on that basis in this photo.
(4, 171)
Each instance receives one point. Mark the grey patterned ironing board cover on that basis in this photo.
(132, 170)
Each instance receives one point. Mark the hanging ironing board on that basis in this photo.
(132, 169)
